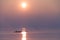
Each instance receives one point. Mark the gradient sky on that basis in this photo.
(41, 17)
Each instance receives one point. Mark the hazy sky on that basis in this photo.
(41, 16)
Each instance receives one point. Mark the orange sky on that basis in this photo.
(34, 5)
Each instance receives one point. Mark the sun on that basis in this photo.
(23, 4)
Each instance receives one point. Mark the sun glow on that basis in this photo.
(23, 34)
(24, 5)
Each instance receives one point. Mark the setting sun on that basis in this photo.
(23, 5)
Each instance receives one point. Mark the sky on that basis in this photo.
(41, 19)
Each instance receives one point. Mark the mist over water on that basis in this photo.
(42, 19)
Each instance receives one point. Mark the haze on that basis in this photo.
(41, 16)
